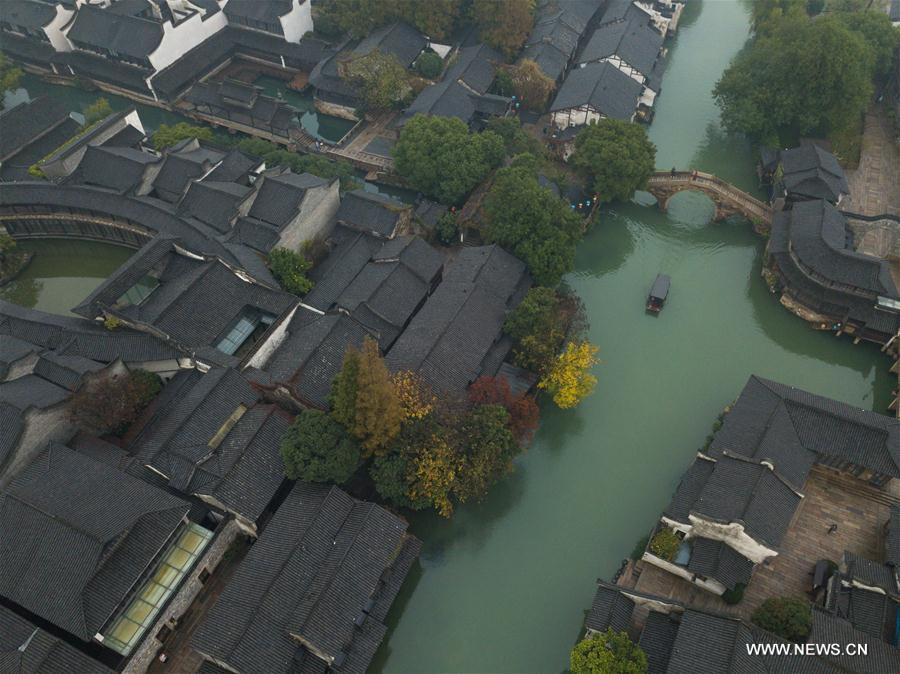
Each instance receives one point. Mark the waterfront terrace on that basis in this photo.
(313, 592)
(786, 470)
(824, 280)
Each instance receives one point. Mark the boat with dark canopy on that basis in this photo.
(658, 293)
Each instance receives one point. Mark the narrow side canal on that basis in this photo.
(503, 586)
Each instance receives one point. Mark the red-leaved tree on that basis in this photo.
(524, 413)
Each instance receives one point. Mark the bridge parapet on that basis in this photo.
(729, 200)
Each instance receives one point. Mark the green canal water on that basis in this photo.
(62, 273)
(503, 586)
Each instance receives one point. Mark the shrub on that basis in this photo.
(316, 448)
(429, 65)
(735, 595)
(112, 323)
(665, 544)
(166, 136)
(446, 229)
(97, 111)
(111, 404)
(608, 652)
(289, 269)
(788, 617)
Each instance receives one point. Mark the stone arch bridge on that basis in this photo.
(729, 200)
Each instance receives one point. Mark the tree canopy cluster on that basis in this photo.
(788, 617)
(441, 158)
(504, 25)
(96, 111)
(297, 162)
(380, 79)
(289, 269)
(529, 83)
(110, 404)
(419, 451)
(167, 135)
(532, 222)
(608, 652)
(616, 157)
(805, 76)
(548, 331)
(435, 18)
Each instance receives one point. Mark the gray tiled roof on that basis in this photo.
(196, 300)
(657, 639)
(793, 428)
(81, 337)
(244, 470)
(24, 123)
(269, 11)
(32, 391)
(312, 353)
(711, 644)
(818, 236)
(315, 586)
(463, 91)
(741, 490)
(610, 610)
(278, 199)
(129, 35)
(829, 629)
(892, 541)
(634, 42)
(65, 370)
(601, 86)
(11, 427)
(718, 560)
(214, 202)
(874, 613)
(26, 13)
(870, 573)
(397, 39)
(809, 172)
(25, 648)
(558, 27)
(117, 168)
(93, 528)
(450, 337)
(369, 212)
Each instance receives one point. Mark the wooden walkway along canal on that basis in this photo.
(729, 200)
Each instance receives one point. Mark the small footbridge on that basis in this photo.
(729, 200)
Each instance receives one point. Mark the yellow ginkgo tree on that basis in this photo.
(569, 380)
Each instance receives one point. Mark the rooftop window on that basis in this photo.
(137, 293)
(127, 629)
(248, 329)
